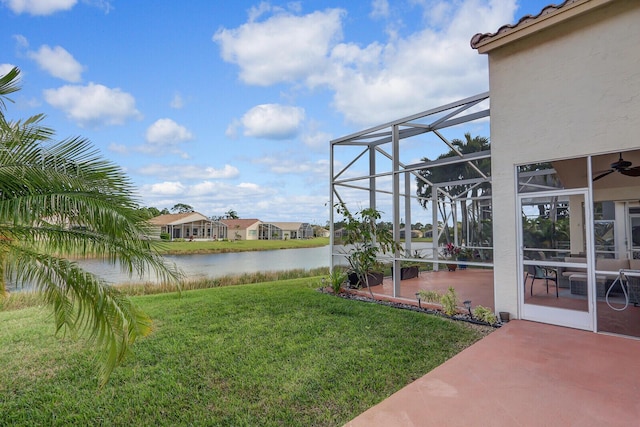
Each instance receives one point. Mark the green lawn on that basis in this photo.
(272, 354)
(186, 247)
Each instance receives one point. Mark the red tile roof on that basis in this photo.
(479, 38)
(177, 218)
(239, 224)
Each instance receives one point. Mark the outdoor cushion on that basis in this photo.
(609, 264)
(634, 264)
(568, 271)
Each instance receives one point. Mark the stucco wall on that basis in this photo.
(569, 90)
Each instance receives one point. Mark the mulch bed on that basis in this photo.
(484, 328)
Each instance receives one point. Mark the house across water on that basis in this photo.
(194, 225)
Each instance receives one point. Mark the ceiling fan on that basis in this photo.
(622, 166)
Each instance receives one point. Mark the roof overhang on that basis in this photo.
(548, 17)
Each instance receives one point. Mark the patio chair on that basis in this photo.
(537, 272)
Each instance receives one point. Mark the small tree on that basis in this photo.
(366, 240)
(181, 208)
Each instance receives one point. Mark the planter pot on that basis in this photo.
(374, 278)
(462, 266)
(408, 272)
(452, 267)
(504, 316)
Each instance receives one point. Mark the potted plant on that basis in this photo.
(410, 269)
(451, 252)
(465, 255)
(365, 239)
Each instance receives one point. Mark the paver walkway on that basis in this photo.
(524, 374)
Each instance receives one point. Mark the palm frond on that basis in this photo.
(9, 83)
(83, 303)
(61, 200)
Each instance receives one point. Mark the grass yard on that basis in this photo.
(196, 247)
(271, 354)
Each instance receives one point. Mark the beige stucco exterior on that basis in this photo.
(242, 229)
(567, 86)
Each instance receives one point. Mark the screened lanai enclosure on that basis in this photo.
(429, 177)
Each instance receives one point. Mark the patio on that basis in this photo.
(476, 285)
(523, 374)
(470, 284)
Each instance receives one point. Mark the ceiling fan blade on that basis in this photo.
(603, 175)
(635, 171)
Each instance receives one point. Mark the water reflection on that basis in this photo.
(218, 265)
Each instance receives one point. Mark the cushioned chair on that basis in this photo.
(537, 272)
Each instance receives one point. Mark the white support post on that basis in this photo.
(395, 141)
(372, 179)
(454, 210)
(407, 213)
(331, 208)
(435, 232)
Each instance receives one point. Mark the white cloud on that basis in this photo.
(177, 102)
(284, 48)
(39, 7)
(272, 121)
(189, 172)
(118, 148)
(249, 199)
(93, 104)
(21, 41)
(49, 7)
(379, 9)
(314, 138)
(411, 74)
(5, 68)
(167, 188)
(232, 129)
(207, 197)
(317, 141)
(286, 165)
(378, 82)
(166, 132)
(256, 12)
(58, 62)
(104, 5)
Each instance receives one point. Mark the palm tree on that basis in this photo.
(447, 177)
(231, 214)
(59, 201)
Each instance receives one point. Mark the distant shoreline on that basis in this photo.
(214, 247)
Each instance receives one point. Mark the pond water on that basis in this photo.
(225, 264)
(217, 265)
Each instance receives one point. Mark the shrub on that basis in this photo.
(484, 314)
(336, 279)
(429, 296)
(449, 302)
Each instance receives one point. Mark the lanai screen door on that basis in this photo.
(555, 262)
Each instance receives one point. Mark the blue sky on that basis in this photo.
(231, 104)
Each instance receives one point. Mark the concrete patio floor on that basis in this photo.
(470, 284)
(523, 374)
(476, 285)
